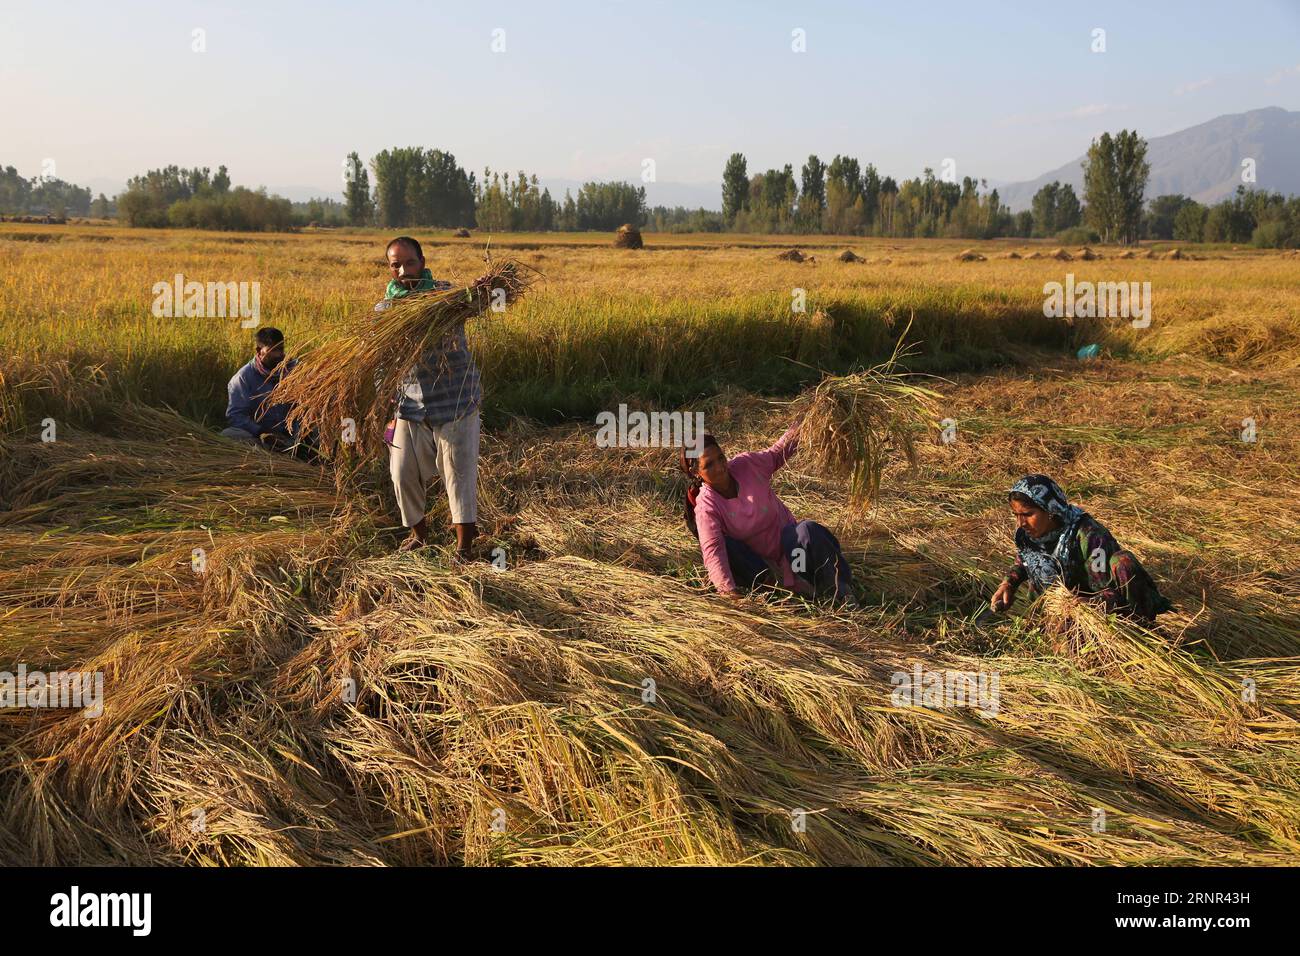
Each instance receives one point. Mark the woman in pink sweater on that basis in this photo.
(747, 534)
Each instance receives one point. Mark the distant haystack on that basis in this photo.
(460, 234)
(1060, 254)
(1034, 255)
(792, 255)
(1127, 254)
(1087, 255)
(969, 255)
(1012, 255)
(1175, 254)
(848, 255)
(1152, 254)
(628, 237)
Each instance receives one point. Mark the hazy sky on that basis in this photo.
(285, 90)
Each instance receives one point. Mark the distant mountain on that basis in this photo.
(1203, 161)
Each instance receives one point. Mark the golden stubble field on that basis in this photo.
(311, 698)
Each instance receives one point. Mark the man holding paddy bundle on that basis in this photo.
(435, 429)
(748, 536)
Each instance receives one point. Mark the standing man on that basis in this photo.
(436, 427)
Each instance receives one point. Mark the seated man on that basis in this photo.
(247, 420)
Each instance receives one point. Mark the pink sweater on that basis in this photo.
(755, 516)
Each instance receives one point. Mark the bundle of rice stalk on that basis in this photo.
(357, 373)
(853, 425)
(628, 237)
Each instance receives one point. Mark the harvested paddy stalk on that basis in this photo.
(854, 424)
(356, 374)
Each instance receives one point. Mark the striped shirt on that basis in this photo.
(444, 387)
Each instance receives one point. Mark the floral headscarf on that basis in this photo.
(1047, 559)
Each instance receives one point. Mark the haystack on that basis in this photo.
(1034, 255)
(460, 234)
(1127, 254)
(792, 255)
(1012, 255)
(1175, 254)
(848, 255)
(1060, 254)
(969, 255)
(1087, 255)
(628, 237)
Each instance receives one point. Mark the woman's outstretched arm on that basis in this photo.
(785, 448)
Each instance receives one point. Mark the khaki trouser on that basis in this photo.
(420, 451)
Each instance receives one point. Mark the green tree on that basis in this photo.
(1232, 220)
(356, 191)
(422, 187)
(606, 206)
(1189, 222)
(1115, 177)
(1161, 213)
(812, 193)
(1069, 212)
(735, 187)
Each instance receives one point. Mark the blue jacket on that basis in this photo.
(246, 390)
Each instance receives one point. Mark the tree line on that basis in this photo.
(843, 197)
(1263, 219)
(405, 187)
(399, 188)
(41, 196)
(847, 197)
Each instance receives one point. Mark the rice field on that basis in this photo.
(302, 695)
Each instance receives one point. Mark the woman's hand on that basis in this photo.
(1002, 597)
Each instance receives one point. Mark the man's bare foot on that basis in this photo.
(412, 542)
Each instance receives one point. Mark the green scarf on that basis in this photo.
(396, 290)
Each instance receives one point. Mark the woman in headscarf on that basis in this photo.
(1056, 541)
(748, 536)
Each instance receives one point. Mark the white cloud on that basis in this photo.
(1193, 86)
(1283, 73)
